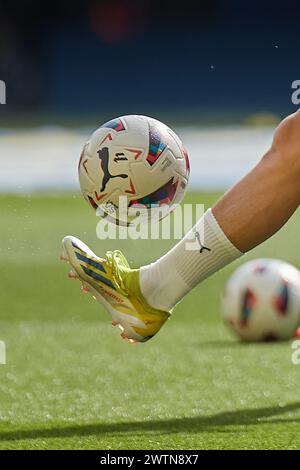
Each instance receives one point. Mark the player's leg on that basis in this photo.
(252, 211)
(260, 204)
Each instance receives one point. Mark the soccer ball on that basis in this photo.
(261, 300)
(136, 157)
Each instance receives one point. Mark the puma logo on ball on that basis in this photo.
(104, 157)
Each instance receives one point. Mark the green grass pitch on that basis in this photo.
(70, 382)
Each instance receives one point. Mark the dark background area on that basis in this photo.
(119, 56)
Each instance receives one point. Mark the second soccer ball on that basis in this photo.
(261, 300)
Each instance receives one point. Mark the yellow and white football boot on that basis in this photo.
(116, 286)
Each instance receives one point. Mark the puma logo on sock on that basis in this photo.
(202, 247)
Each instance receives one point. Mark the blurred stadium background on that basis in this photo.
(69, 67)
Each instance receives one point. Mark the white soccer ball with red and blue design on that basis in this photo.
(137, 157)
(261, 300)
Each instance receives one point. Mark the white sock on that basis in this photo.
(168, 280)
